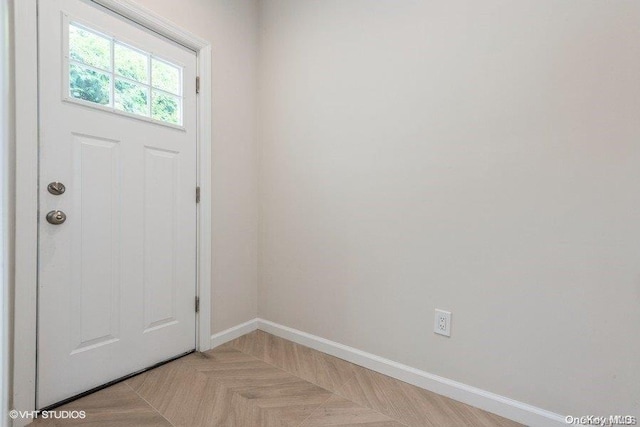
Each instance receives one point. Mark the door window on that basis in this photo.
(107, 73)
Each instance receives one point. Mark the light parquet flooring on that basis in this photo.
(260, 380)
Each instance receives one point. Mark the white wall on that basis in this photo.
(231, 26)
(480, 157)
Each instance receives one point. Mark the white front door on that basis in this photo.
(117, 278)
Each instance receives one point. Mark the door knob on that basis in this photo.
(56, 188)
(56, 217)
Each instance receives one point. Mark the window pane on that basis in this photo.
(166, 108)
(89, 85)
(165, 76)
(131, 97)
(131, 63)
(90, 48)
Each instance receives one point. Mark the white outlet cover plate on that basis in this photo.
(442, 323)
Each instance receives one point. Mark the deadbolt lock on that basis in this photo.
(56, 217)
(56, 188)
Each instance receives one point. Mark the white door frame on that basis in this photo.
(26, 219)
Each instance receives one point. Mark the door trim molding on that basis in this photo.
(23, 391)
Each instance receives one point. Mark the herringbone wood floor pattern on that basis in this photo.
(260, 380)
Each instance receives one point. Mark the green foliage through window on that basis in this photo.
(165, 108)
(93, 77)
(131, 97)
(131, 63)
(89, 48)
(165, 77)
(89, 85)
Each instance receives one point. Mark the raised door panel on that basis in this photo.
(96, 240)
(161, 183)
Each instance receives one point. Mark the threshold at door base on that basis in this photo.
(110, 383)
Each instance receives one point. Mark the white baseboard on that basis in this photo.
(491, 402)
(233, 333)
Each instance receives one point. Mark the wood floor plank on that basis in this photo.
(260, 380)
(115, 406)
(412, 405)
(225, 387)
(338, 411)
(319, 368)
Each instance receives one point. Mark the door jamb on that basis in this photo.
(24, 354)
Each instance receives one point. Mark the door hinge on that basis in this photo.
(197, 304)
(198, 84)
(197, 194)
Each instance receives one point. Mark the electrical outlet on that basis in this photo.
(442, 324)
